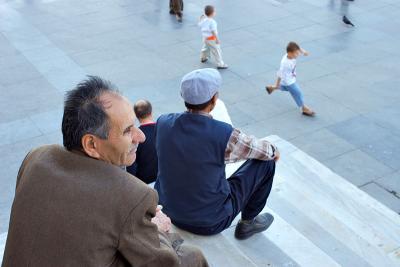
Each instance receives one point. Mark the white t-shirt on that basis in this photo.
(207, 26)
(287, 71)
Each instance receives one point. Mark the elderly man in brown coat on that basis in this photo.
(77, 206)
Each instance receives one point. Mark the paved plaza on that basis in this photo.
(351, 78)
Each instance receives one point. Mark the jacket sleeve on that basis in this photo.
(139, 241)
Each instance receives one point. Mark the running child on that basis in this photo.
(286, 80)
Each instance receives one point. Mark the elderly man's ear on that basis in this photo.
(214, 101)
(90, 146)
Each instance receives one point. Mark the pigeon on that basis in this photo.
(347, 21)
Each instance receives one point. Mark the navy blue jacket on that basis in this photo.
(191, 181)
(146, 166)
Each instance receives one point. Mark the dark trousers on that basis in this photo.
(176, 6)
(250, 187)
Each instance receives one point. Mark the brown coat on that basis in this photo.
(72, 210)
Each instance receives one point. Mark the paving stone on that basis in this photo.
(289, 125)
(263, 106)
(331, 111)
(334, 61)
(360, 131)
(387, 117)
(279, 25)
(240, 118)
(48, 122)
(358, 167)
(322, 144)
(391, 183)
(17, 130)
(30, 97)
(383, 196)
(386, 150)
(12, 75)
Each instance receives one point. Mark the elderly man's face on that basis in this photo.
(123, 138)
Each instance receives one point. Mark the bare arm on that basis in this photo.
(304, 52)
(202, 17)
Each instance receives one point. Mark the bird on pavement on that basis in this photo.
(347, 21)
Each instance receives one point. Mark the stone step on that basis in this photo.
(320, 220)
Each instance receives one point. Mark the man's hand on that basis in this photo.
(162, 221)
(277, 156)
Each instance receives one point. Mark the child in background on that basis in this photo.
(211, 41)
(287, 77)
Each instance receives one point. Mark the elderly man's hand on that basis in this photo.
(162, 221)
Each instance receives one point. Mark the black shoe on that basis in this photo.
(179, 16)
(259, 224)
(204, 60)
(223, 67)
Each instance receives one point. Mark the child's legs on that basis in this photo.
(296, 93)
(205, 51)
(216, 52)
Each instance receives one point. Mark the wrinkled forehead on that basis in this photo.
(119, 110)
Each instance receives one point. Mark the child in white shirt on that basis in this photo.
(211, 41)
(287, 77)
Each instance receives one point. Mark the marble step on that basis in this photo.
(320, 220)
(219, 250)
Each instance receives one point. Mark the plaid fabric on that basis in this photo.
(241, 147)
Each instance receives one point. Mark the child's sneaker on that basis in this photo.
(269, 89)
(308, 112)
(222, 67)
(204, 60)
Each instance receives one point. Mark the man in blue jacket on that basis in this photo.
(193, 149)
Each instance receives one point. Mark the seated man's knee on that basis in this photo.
(269, 167)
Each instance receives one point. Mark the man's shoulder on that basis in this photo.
(223, 124)
(42, 151)
(148, 126)
(284, 59)
(134, 188)
(136, 193)
(47, 148)
(167, 117)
